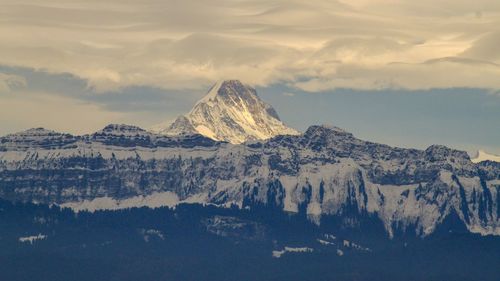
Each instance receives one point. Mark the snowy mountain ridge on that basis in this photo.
(324, 172)
(232, 112)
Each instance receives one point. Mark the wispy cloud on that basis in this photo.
(30, 98)
(313, 45)
(8, 82)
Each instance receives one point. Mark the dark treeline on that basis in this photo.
(196, 242)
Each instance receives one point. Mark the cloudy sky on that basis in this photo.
(407, 73)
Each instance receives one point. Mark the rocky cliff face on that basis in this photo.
(232, 112)
(325, 171)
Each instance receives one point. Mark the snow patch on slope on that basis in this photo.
(32, 239)
(279, 253)
(155, 200)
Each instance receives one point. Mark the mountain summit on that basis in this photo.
(232, 112)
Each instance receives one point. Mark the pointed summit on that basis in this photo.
(231, 111)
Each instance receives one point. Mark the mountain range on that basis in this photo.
(231, 174)
(324, 171)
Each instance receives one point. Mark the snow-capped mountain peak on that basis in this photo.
(231, 111)
(121, 130)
